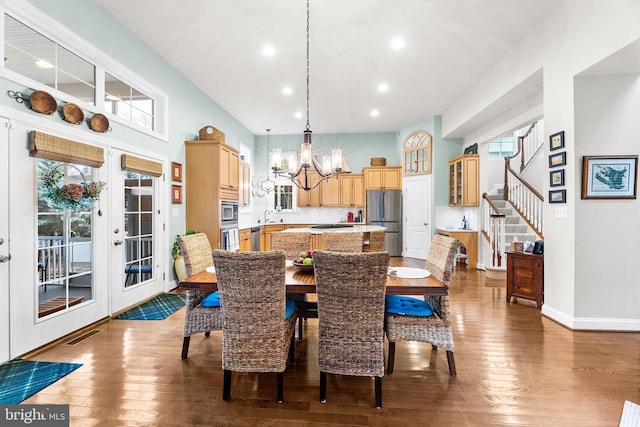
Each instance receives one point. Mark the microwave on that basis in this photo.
(228, 211)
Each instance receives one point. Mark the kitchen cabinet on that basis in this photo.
(310, 198)
(330, 192)
(382, 178)
(525, 276)
(244, 190)
(244, 236)
(469, 240)
(463, 181)
(211, 175)
(352, 189)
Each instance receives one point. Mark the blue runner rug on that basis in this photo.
(20, 378)
(156, 308)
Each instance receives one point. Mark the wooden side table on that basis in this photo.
(525, 276)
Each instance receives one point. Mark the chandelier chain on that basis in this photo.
(308, 126)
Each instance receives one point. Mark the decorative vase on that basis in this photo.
(179, 267)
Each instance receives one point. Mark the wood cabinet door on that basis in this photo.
(374, 179)
(391, 179)
(358, 190)
(245, 184)
(310, 198)
(346, 190)
(330, 192)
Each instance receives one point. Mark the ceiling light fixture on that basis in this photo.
(375, 113)
(383, 87)
(300, 172)
(397, 43)
(268, 50)
(268, 184)
(287, 90)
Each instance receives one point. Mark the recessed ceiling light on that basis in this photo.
(374, 113)
(298, 115)
(397, 43)
(268, 50)
(43, 64)
(383, 87)
(287, 90)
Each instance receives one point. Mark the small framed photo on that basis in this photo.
(556, 141)
(176, 171)
(609, 177)
(556, 178)
(558, 196)
(559, 159)
(176, 194)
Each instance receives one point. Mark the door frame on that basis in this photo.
(5, 246)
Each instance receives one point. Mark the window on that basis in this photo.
(65, 244)
(44, 60)
(501, 147)
(416, 149)
(138, 220)
(283, 197)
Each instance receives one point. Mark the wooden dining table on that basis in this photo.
(304, 282)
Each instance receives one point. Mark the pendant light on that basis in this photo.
(268, 184)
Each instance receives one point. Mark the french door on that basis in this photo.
(5, 253)
(136, 235)
(418, 228)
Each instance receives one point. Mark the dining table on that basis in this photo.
(302, 281)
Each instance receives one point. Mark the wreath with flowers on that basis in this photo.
(72, 196)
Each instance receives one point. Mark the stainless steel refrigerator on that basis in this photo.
(384, 207)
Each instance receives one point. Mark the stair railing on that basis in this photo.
(524, 198)
(529, 143)
(493, 229)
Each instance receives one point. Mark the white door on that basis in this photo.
(136, 236)
(5, 253)
(418, 229)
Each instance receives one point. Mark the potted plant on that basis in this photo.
(178, 259)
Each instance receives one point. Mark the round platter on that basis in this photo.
(303, 267)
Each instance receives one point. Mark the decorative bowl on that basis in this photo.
(303, 267)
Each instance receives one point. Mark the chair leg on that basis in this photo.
(292, 350)
(434, 347)
(378, 381)
(226, 388)
(280, 393)
(452, 363)
(206, 334)
(323, 387)
(185, 347)
(300, 320)
(392, 357)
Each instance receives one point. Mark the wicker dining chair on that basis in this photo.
(196, 250)
(257, 320)
(434, 328)
(376, 241)
(292, 243)
(350, 241)
(351, 293)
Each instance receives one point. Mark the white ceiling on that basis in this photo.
(217, 44)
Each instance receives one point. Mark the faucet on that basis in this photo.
(267, 215)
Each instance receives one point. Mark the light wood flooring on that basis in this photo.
(515, 368)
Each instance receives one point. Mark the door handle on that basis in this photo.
(117, 242)
(4, 258)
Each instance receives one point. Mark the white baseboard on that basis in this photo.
(591, 323)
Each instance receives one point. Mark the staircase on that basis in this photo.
(516, 229)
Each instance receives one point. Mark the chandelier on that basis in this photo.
(268, 184)
(299, 172)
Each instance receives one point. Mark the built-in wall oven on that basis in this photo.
(229, 225)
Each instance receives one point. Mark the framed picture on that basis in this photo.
(558, 196)
(176, 194)
(176, 171)
(556, 178)
(609, 177)
(556, 141)
(559, 159)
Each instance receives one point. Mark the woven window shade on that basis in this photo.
(50, 147)
(138, 164)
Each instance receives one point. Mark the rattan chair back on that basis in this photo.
(376, 241)
(441, 257)
(292, 242)
(350, 241)
(196, 250)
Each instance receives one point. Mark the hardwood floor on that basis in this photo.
(515, 368)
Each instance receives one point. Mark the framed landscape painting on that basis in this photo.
(609, 177)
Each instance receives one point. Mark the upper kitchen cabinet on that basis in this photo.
(212, 163)
(382, 178)
(229, 170)
(330, 192)
(463, 180)
(352, 189)
(310, 198)
(244, 173)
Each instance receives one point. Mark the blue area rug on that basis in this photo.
(156, 308)
(20, 378)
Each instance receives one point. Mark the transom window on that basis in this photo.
(416, 148)
(501, 147)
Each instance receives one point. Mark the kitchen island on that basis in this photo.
(318, 230)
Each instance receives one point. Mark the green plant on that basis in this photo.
(175, 251)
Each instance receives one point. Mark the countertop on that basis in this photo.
(260, 224)
(363, 228)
